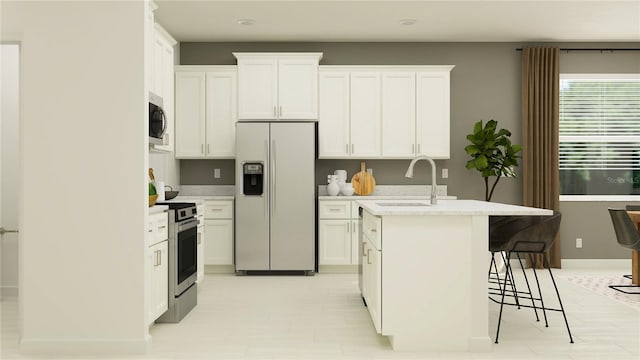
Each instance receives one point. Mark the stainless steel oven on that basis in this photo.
(183, 261)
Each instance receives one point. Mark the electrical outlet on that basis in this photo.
(216, 173)
(370, 171)
(445, 173)
(579, 243)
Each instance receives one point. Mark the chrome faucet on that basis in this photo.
(409, 174)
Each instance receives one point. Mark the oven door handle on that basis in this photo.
(186, 225)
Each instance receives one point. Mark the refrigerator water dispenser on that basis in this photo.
(252, 178)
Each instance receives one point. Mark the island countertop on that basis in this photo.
(446, 207)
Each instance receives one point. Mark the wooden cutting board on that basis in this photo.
(363, 182)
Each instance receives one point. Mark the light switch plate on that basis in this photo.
(445, 173)
(216, 173)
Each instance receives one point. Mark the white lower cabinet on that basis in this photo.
(200, 234)
(218, 232)
(157, 266)
(158, 254)
(338, 233)
(372, 269)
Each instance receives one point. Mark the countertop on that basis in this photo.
(158, 209)
(202, 197)
(449, 207)
(384, 197)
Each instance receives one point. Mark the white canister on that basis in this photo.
(160, 190)
(347, 189)
(333, 188)
(342, 175)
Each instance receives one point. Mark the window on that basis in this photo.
(600, 134)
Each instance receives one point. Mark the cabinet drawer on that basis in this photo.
(372, 229)
(335, 209)
(218, 209)
(162, 227)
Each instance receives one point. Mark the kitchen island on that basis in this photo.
(425, 271)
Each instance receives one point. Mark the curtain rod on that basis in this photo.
(594, 49)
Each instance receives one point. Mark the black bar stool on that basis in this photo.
(524, 235)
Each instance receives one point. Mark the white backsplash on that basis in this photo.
(398, 190)
(207, 190)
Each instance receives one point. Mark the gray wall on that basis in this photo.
(485, 84)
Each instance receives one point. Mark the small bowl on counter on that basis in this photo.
(170, 194)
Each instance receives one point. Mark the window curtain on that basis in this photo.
(540, 129)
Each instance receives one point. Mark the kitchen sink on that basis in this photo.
(402, 204)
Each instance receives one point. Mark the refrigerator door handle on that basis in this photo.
(273, 174)
(266, 196)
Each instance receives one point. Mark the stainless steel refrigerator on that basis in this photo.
(275, 196)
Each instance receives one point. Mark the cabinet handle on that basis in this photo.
(150, 230)
(280, 110)
(334, 210)
(368, 256)
(159, 257)
(162, 227)
(274, 111)
(348, 229)
(374, 230)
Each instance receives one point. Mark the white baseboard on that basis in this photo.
(338, 269)
(85, 346)
(219, 269)
(596, 264)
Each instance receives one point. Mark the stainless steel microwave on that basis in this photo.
(157, 120)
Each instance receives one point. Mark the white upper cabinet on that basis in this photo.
(190, 114)
(275, 86)
(333, 120)
(161, 80)
(384, 112)
(432, 113)
(398, 114)
(221, 113)
(365, 114)
(205, 112)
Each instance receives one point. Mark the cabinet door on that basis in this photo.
(190, 114)
(298, 89)
(365, 114)
(257, 88)
(398, 114)
(333, 120)
(221, 114)
(355, 241)
(372, 278)
(218, 242)
(160, 279)
(335, 242)
(165, 87)
(200, 252)
(432, 115)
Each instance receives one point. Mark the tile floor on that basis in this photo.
(322, 317)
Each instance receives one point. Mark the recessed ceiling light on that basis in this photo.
(246, 22)
(408, 21)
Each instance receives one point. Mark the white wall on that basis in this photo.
(9, 185)
(84, 161)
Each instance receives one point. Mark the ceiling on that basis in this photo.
(379, 21)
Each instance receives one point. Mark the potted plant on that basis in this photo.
(492, 153)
